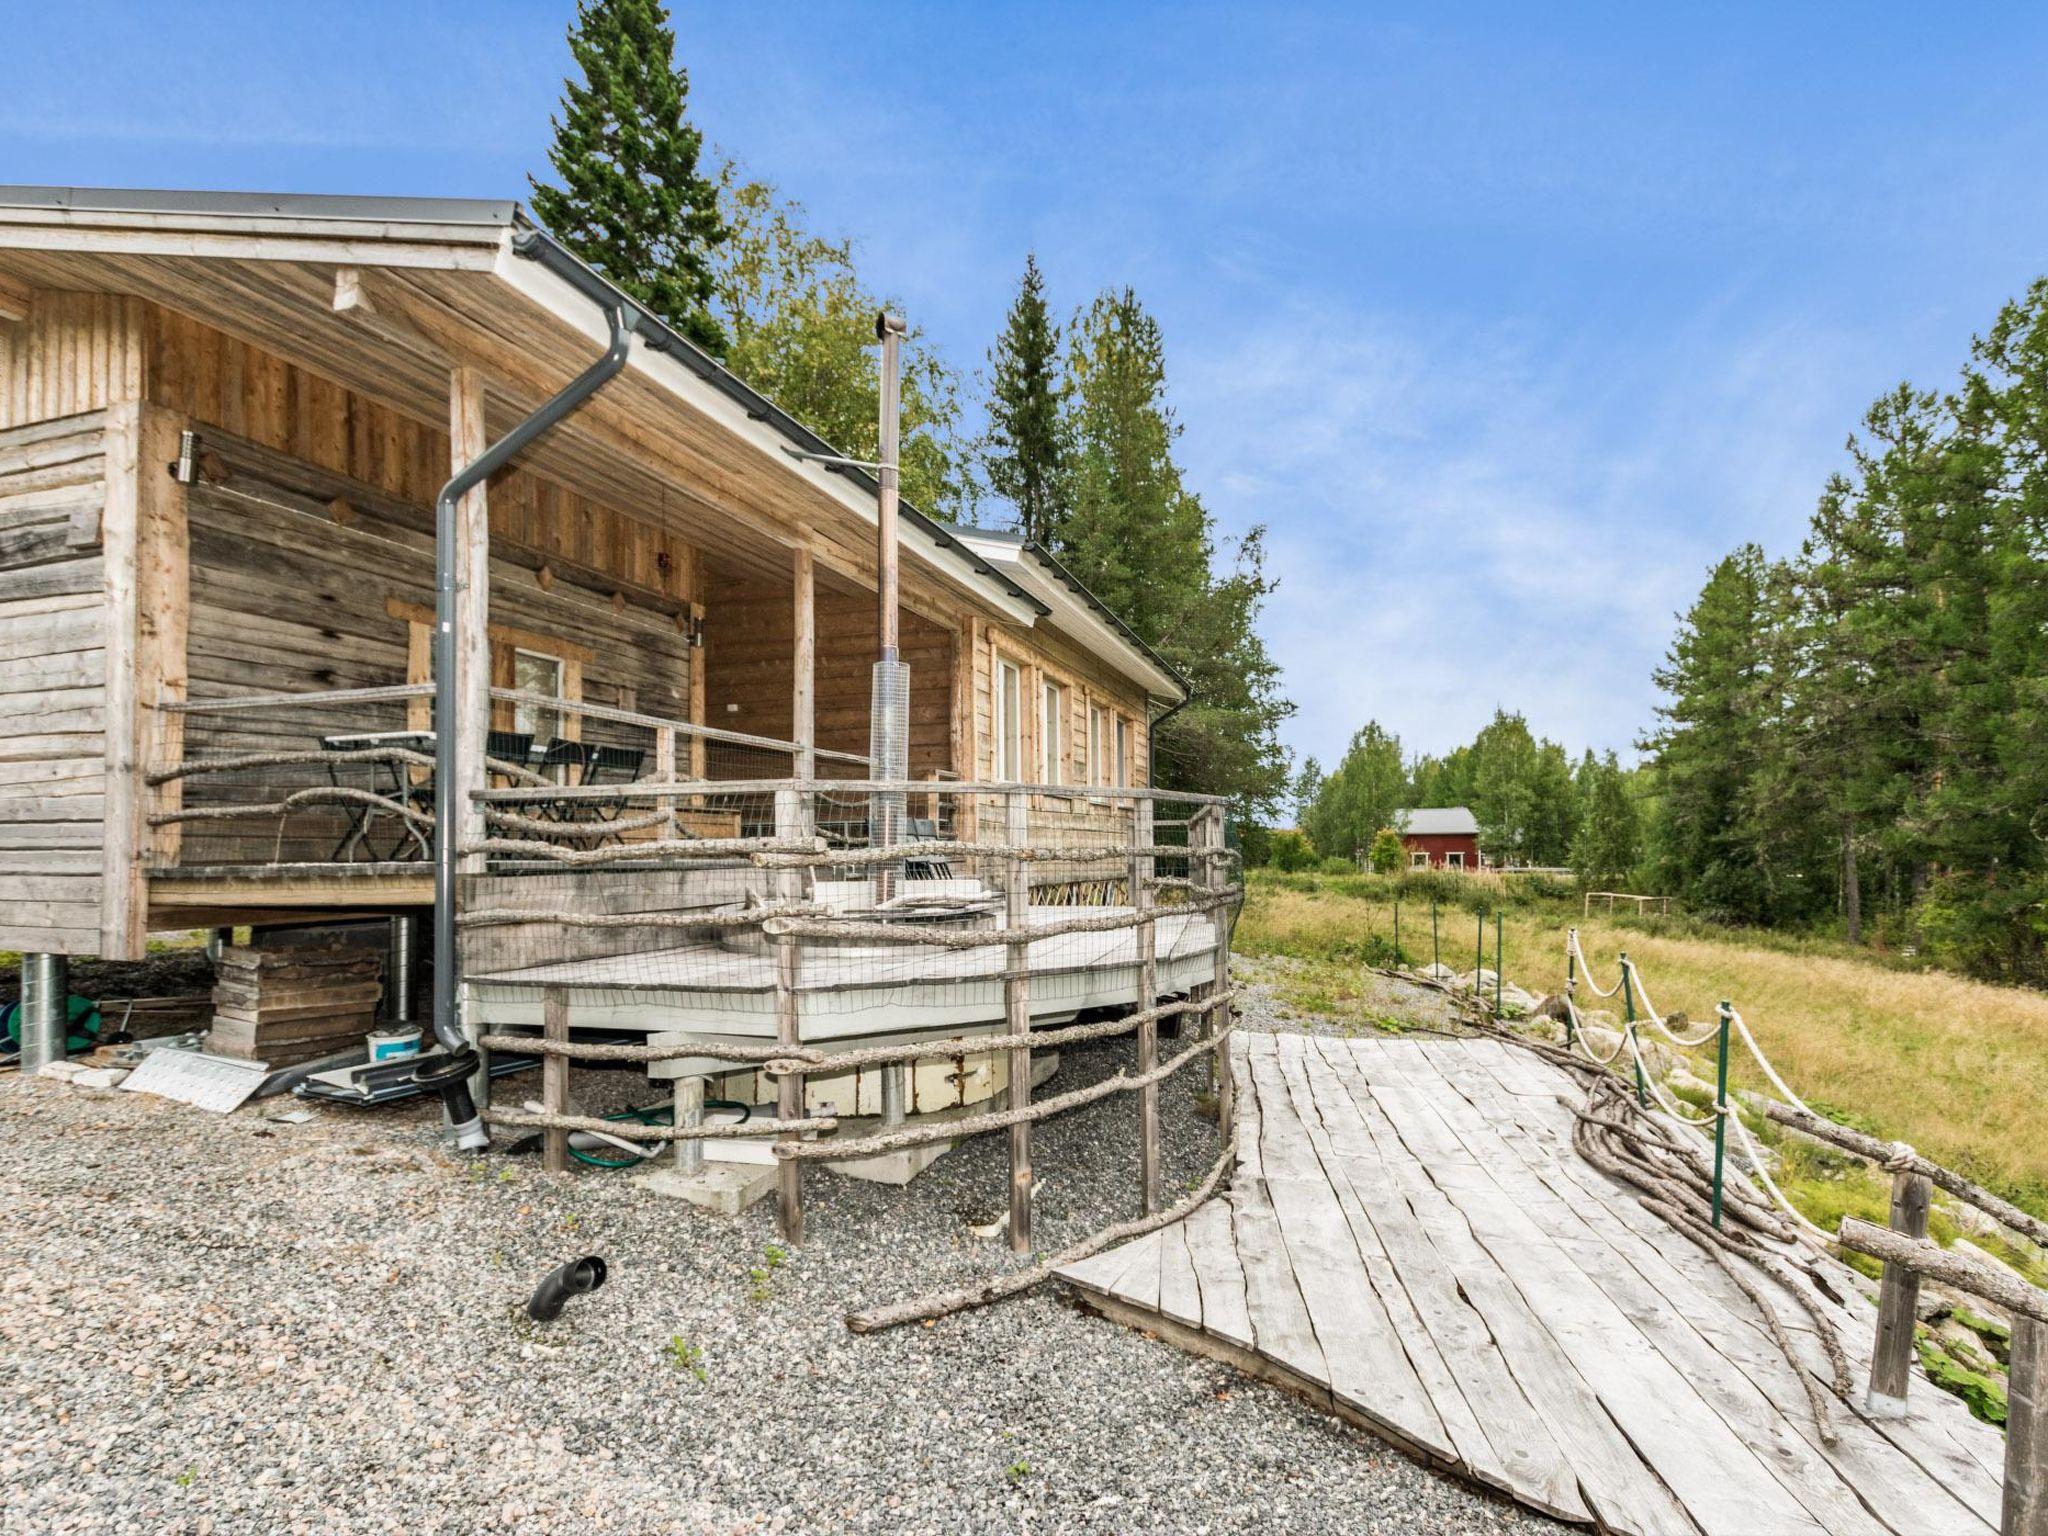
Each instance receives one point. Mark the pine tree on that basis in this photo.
(1021, 450)
(632, 202)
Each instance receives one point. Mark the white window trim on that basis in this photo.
(1009, 732)
(1052, 734)
(1418, 858)
(1455, 859)
(1121, 772)
(523, 714)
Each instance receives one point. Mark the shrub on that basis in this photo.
(1290, 853)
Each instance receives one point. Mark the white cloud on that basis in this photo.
(1460, 523)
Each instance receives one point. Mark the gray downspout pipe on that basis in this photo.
(451, 1075)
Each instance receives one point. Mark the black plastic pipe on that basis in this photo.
(451, 1077)
(578, 1277)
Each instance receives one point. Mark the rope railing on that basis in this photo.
(1004, 919)
(1902, 1247)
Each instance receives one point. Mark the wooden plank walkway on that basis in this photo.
(1411, 1241)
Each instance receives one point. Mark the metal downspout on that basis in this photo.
(451, 1076)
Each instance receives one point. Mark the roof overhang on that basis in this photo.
(1077, 612)
(497, 240)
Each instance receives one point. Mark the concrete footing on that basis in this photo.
(723, 1188)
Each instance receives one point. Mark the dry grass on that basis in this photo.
(1958, 1068)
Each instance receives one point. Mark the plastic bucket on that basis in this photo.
(393, 1044)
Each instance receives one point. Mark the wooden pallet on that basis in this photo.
(1412, 1242)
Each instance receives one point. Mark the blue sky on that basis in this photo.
(1506, 321)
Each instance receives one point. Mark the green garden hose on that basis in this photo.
(653, 1114)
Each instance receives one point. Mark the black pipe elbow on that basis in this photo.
(449, 1076)
(578, 1277)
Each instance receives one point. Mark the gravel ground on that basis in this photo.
(1418, 1008)
(214, 1325)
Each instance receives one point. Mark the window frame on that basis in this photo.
(1418, 858)
(1052, 729)
(1006, 749)
(525, 717)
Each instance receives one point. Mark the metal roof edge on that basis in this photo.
(490, 212)
(533, 241)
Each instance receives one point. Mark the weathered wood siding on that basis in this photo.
(75, 352)
(53, 683)
(750, 648)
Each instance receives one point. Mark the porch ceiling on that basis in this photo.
(639, 446)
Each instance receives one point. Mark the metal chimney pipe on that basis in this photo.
(889, 702)
(45, 1014)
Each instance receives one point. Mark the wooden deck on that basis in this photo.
(1411, 1241)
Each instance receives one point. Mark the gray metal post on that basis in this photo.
(45, 994)
(448, 806)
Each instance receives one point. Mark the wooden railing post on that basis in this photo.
(665, 770)
(1213, 877)
(1017, 1013)
(789, 1094)
(2025, 1511)
(554, 1079)
(1142, 897)
(1891, 1361)
(689, 1115)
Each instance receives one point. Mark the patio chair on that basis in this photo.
(609, 765)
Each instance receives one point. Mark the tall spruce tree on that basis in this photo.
(1021, 449)
(632, 201)
(1144, 543)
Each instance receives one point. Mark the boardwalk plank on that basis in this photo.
(1624, 1495)
(1212, 1249)
(1499, 1436)
(1180, 1293)
(1722, 1382)
(1369, 1370)
(1962, 1455)
(1895, 1488)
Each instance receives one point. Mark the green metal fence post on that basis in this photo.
(1498, 966)
(1479, 961)
(1571, 981)
(1397, 933)
(1628, 1028)
(1720, 1106)
(1436, 949)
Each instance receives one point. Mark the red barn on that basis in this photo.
(1446, 837)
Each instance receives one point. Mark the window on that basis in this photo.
(1455, 860)
(1122, 764)
(533, 672)
(1418, 860)
(1098, 745)
(1009, 733)
(1052, 735)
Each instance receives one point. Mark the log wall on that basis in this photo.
(749, 660)
(53, 685)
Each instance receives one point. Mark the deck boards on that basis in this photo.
(1411, 1235)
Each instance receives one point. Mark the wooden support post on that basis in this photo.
(689, 1114)
(665, 768)
(146, 590)
(1891, 1361)
(699, 672)
(803, 698)
(1147, 999)
(1017, 1013)
(554, 1079)
(1213, 878)
(789, 1094)
(466, 444)
(2025, 1511)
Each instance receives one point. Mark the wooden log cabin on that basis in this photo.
(224, 420)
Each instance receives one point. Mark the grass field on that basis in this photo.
(1958, 1068)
